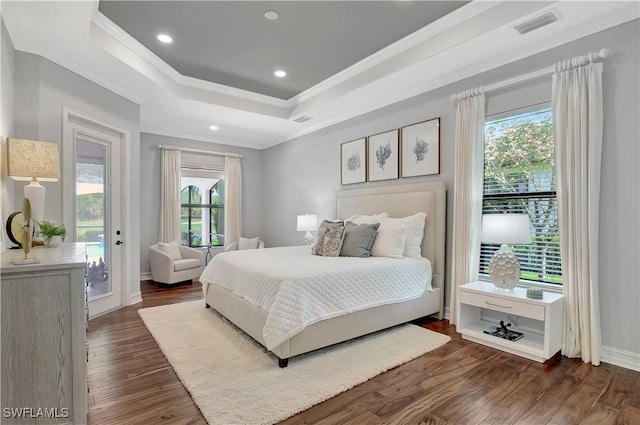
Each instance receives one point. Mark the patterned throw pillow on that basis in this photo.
(325, 225)
(333, 242)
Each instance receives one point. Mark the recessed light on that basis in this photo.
(271, 15)
(213, 127)
(165, 38)
(280, 73)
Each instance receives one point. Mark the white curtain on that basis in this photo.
(232, 199)
(467, 201)
(577, 126)
(170, 196)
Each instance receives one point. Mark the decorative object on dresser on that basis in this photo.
(421, 148)
(535, 293)
(14, 228)
(504, 229)
(53, 234)
(44, 348)
(34, 161)
(383, 156)
(307, 223)
(26, 233)
(353, 161)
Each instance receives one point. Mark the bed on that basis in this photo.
(254, 312)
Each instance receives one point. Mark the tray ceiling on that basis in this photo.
(233, 44)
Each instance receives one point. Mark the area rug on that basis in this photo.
(234, 380)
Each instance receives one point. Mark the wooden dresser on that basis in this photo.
(44, 351)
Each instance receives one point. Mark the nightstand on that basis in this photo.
(482, 306)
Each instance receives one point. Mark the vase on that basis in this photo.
(54, 241)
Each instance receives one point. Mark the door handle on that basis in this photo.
(119, 243)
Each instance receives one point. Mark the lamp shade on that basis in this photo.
(506, 229)
(32, 160)
(307, 223)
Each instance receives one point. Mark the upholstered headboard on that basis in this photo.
(402, 201)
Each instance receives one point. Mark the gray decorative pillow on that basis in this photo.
(358, 239)
(324, 226)
(333, 242)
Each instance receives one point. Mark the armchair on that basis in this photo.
(169, 270)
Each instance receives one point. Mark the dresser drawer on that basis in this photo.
(504, 305)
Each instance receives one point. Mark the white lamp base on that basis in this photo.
(504, 269)
(308, 238)
(35, 193)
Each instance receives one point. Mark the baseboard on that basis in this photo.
(447, 313)
(621, 358)
(135, 298)
(145, 276)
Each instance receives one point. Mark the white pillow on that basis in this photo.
(414, 228)
(368, 219)
(390, 240)
(245, 243)
(172, 249)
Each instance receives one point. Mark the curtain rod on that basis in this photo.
(591, 57)
(177, 148)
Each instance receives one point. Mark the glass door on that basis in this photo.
(97, 218)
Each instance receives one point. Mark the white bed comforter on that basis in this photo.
(298, 289)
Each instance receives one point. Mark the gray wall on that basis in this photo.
(42, 89)
(252, 202)
(303, 175)
(7, 60)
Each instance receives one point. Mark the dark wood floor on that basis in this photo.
(131, 382)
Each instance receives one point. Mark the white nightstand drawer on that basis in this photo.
(504, 305)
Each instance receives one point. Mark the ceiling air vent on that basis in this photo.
(303, 119)
(537, 22)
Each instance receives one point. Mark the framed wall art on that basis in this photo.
(353, 158)
(421, 148)
(383, 156)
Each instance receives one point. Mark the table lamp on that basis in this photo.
(34, 161)
(504, 229)
(307, 223)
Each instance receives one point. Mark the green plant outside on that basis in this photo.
(89, 230)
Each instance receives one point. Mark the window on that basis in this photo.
(202, 208)
(519, 177)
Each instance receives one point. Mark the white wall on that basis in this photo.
(303, 175)
(252, 196)
(42, 89)
(6, 128)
